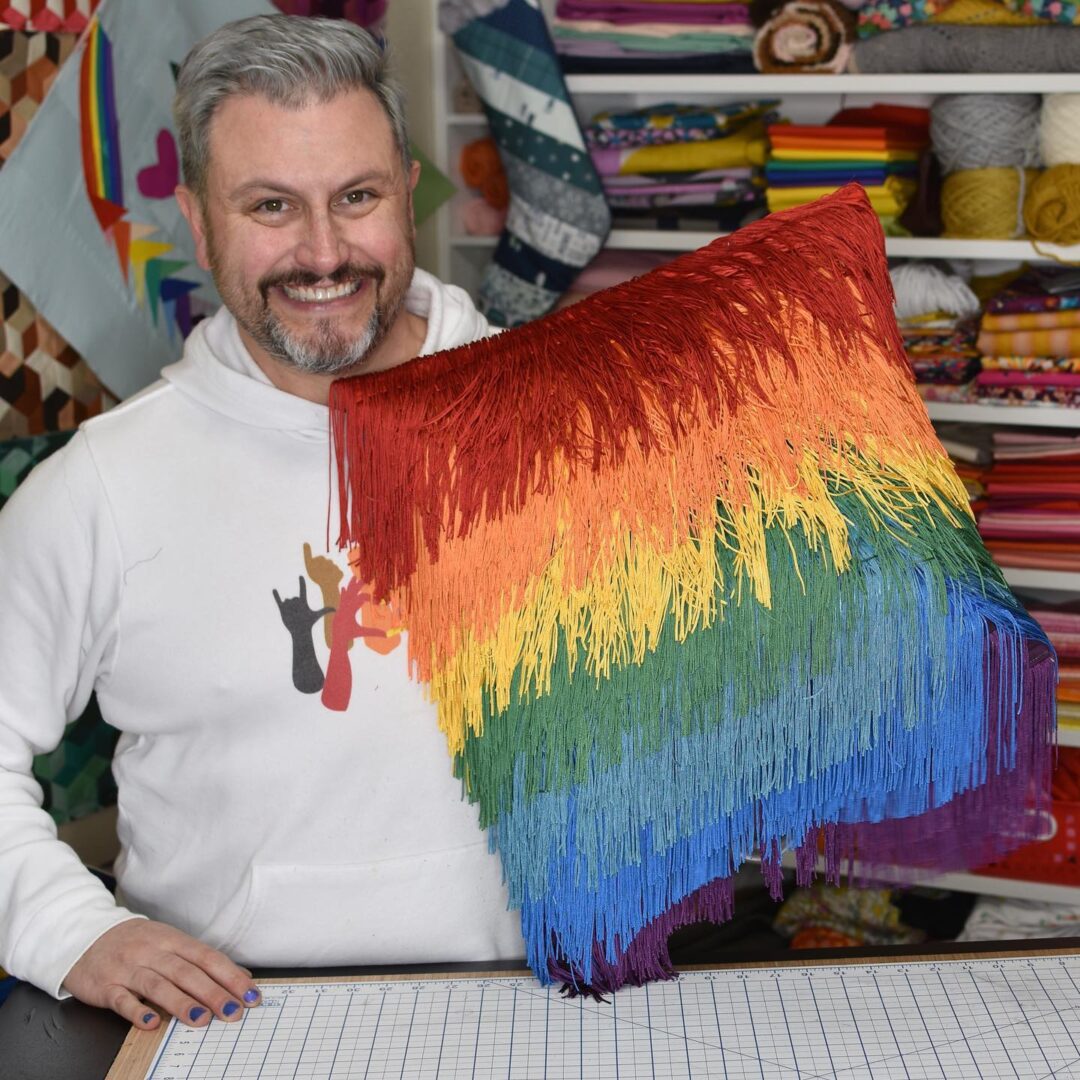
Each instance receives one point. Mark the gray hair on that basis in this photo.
(289, 59)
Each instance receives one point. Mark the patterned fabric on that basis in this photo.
(558, 219)
(76, 777)
(688, 575)
(44, 384)
(70, 16)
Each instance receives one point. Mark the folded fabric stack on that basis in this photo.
(649, 36)
(1062, 626)
(938, 317)
(672, 161)
(877, 147)
(1030, 341)
(1032, 513)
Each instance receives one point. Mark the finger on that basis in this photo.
(164, 992)
(307, 554)
(124, 1003)
(277, 597)
(236, 980)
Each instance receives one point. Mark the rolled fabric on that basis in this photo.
(805, 36)
(479, 218)
(932, 47)
(479, 160)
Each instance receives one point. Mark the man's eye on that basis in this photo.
(271, 206)
(356, 198)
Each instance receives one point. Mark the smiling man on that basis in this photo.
(285, 793)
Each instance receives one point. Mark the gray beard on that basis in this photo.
(328, 353)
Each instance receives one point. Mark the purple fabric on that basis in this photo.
(616, 11)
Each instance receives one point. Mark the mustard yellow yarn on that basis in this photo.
(1052, 205)
(984, 203)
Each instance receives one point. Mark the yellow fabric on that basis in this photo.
(983, 13)
(844, 155)
(890, 198)
(745, 147)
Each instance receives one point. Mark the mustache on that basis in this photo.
(306, 279)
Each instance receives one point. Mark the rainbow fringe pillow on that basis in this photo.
(690, 577)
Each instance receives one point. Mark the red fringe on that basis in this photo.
(471, 433)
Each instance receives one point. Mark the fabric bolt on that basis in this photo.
(660, 124)
(948, 49)
(1060, 11)
(611, 60)
(558, 219)
(1031, 363)
(805, 36)
(619, 628)
(1035, 342)
(1036, 320)
(691, 14)
(734, 39)
(744, 147)
(876, 16)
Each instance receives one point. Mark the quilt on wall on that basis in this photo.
(102, 147)
(44, 384)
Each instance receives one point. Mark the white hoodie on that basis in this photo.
(287, 803)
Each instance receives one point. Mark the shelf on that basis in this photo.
(1017, 889)
(925, 247)
(476, 119)
(676, 240)
(1056, 416)
(1068, 735)
(1021, 577)
(779, 85)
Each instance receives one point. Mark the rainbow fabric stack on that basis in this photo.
(653, 36)
(1030, 341)
(682, 160)
(1032, 514)
(1061, 624)
(689, 576)
(877, 147)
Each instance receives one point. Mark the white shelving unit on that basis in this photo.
(808, 99)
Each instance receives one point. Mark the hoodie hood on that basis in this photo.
(217, 370)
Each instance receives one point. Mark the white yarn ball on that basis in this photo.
(922, 288)
(1059, 129)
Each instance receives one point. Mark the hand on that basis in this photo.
(140, 964)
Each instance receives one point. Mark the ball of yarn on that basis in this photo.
(922, 288)
(981, 131)
(480, 218)
(479, 160)
(985, 203)
(1059, 129)
(1052, 206)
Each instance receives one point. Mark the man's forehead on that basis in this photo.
(251, 134)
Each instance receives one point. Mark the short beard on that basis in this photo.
(326, 351)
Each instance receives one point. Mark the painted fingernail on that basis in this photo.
(196, 1012)
(251, 995)
(148, 1018)
(230, 1007)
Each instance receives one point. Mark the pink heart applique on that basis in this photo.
(158, 181)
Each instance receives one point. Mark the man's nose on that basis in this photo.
(323, 247)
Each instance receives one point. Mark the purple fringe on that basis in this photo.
(971, 830)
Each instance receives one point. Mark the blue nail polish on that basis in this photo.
(196, 1012)
(251, 995)
(230, 1007)
(148, 1018)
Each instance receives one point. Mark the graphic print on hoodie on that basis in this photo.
(347, 613)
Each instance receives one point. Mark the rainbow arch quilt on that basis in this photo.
(690, 577)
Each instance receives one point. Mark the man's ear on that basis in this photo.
(192, 209)
(414, 175)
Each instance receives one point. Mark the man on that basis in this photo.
(285, 794)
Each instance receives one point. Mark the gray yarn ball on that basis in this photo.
(985, 131)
